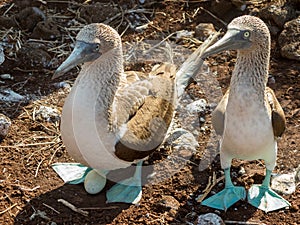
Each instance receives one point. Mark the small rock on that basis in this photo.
(209, 219)
(46, 30)
(45, 113)
(204, 30)
(8, 95)
(198, 106)
(182, 138)
(289, 40)
(62, 84)
(168, 202)
(297, 175)
(279, 13)
(34, 55)
(5, 124)
(90, 13)
(184, 34)
(6, 76)
(2, 56)
(284, 183)
(242, 171)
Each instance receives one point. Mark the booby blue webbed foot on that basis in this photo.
(72, 173)
(264, 198)
(227, 197)
(127, 191)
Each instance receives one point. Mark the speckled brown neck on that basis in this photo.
(251, 71)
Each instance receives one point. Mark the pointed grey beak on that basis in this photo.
(232, 40)
(83, 52)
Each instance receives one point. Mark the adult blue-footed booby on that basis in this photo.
(107, 121)
(249, 118)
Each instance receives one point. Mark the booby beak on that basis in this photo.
(234, 39)
(82, 52)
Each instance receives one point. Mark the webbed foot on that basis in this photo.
(127, 191)
(264, 198)
(225, 198)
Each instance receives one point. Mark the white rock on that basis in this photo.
(197, 106)
(284, 183)
(45, 113)
(182, 138)
(184, 34)
(8, 95)
(5, 124)
(2, 56)
(6, 76)
(209, 219)
(62, 84)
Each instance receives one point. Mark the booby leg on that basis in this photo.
(228, 196)
(129, 190)
(264, 198)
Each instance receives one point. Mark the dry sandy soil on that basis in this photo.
(36, 41)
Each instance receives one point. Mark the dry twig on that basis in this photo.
(48, 206)
(211, 183)
(9, 208)
(72, 207)
(242, 222)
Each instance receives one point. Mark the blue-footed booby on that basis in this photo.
(249, 118)
(111, 118)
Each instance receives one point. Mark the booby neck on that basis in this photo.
(103, 76)
(250, 73)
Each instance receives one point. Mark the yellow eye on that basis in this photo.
(246, 34)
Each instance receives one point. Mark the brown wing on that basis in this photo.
(218, 115)
(148, 122)
(278, 117)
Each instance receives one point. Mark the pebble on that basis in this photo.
(62, 84)
(45, 113)
(182, 138)
(209, 219)
(242, 171)
(5, 124)
(198, 106)
(297, 175)
(8, 95)
(284, 183)
(2, 56)
(6, 76)
(169, 203)
(184, 34)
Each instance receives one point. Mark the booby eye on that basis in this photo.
(246, 34)
(97, 48)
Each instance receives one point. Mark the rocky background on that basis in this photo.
(37, 35)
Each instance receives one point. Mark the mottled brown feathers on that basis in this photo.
(278, 117)
(147, 127)
(218, 115)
